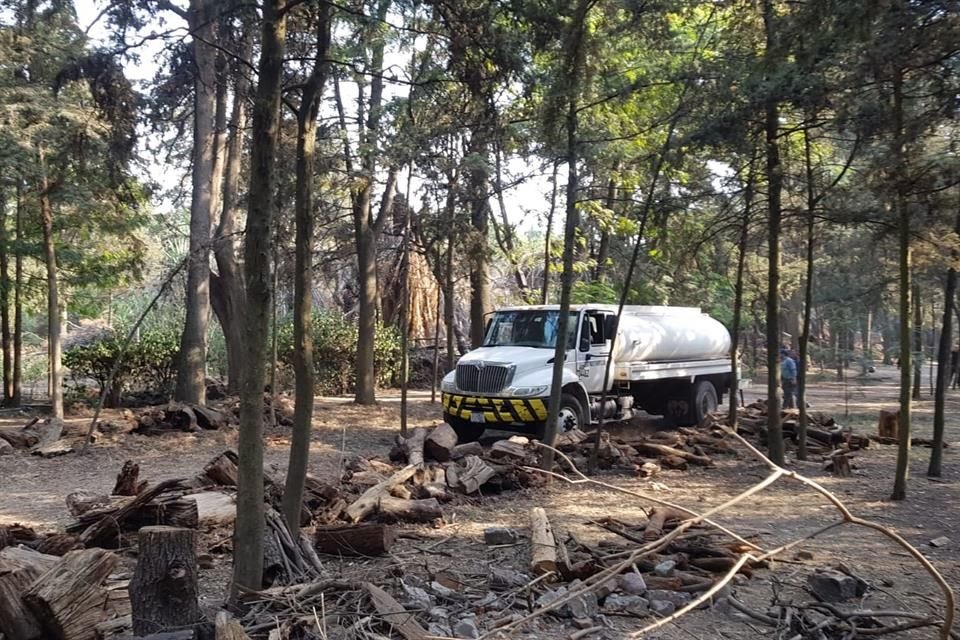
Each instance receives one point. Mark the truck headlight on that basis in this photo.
(448, 385)
(527, 392)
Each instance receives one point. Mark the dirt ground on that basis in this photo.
(33, 493)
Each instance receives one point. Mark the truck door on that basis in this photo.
(593, 350)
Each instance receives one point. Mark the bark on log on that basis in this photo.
(413, 447)
(543, 549)
(24, 437)
(163, 592)
(19, 567)
(355, 540)
(58, 544)
(466, 449)
(128, 480)
(393, 509)
(68, 599)
(658, 519)
(214, 508)
(664, 450)
(393, 613)
(367, 503)
(471, 476)
(401, 491)
(441, 443)
(889, 424)
(107, 529)
(505, 449)
(222, 470)
(83, 502)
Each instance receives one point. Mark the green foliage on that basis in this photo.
(148, 365)
(598, 291)
(335, 352)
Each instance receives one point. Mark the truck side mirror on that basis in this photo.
(609, 326)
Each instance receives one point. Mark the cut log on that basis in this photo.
(471, 476)
(839, 465)
(332, 512)
(366, 478)
(401, 491)
(52, 449)
(440, 444)
(68, 600)
(673, 462)
(24, 437)
(226, 628)
(658, 519)
(466, 449)
(48, 432)
(222, 470)
(393, 614)
(105, 532)
(889, 423)
(507, 450)
(543, 547)
(115, 629)
(19, 567)
(163, 592)
(367, 503)
(393, 509)
(5, 447)
(355, 540)
(58, 544)
(214, 508)
(570, 440)
(664, 450)
(413, 446)
(6, 537)
(208, 418)
(82, 502)
(128, 480)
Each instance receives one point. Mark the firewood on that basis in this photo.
(105, 531)
(163, 592)
(115, 629)
(19, 567)
(222, 470)
(401, 491)
(68, 599)
(128, 482)
(718, 565)
(469, 477)
(505, 449)
(393, 613)
(413, 445)
(440, 443)
(366, 478)
(889, 423)
(674, 462)
(569, 440)
(52, 449)
(658, 519)
(543, 548)
(393, 509)
(648, 469)
(672, 583)
(208, 418)
(434, 490)
(839, 465)
(367, 503)
(664, 450)
(6, 537)
(58, 544)
(372, 539)
(466, 449)
(214, 508)
(332, 512)
(226, 628)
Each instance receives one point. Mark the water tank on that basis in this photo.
(652, 334)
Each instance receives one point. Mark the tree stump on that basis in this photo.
(543, 546)
(889, 424)
(69, 598)
(128, 480)
(163, 592)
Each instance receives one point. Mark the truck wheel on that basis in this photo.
(571, 417)
(704, 400)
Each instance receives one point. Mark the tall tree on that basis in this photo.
(248, 538)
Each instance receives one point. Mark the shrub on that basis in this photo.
(149, 364)
(335, 352)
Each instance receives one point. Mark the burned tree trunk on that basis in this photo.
(163, 592)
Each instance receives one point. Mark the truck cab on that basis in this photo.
(671, 361)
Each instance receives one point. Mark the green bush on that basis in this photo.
(335, 352)
(149, 364)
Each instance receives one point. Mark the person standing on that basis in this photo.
(788, 379)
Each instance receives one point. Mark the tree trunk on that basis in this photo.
(804, 421)
(917, 341)
(449, 288)
(163, 591)
(303, 278)
(226, 287)
(54, 324)
(6, 343)
(903, 216)
(775, 213)
(574, 63)
(479, 253)
(248, 538)
(547, 258)
(738, 297)
(191, 369)
(935, 468)
(18, 303)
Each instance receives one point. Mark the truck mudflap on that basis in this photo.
(495, 410)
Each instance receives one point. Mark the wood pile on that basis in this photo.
(39, 437)
(177, 416)
(824, 435)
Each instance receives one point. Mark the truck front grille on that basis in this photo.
(483, 377)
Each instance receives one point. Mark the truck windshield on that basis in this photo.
(533, 328)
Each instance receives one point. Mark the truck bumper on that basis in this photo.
(497, 413)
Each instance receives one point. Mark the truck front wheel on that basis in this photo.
(572, 416)
(704, 400)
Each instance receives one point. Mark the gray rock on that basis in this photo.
(442, 591)
(439, 630)
(550, 596)
(678, 598)
(628, 604)
(633, 584)
(666, 568)
(500, 535)
(417, 598)
(438, 614)
(606, 588)
(583, 606)
(833, 586)
(466, 628)
(662, 607)
(502, 579)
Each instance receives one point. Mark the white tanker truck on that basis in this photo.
(670, 361)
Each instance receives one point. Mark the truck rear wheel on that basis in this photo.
(704, 400)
